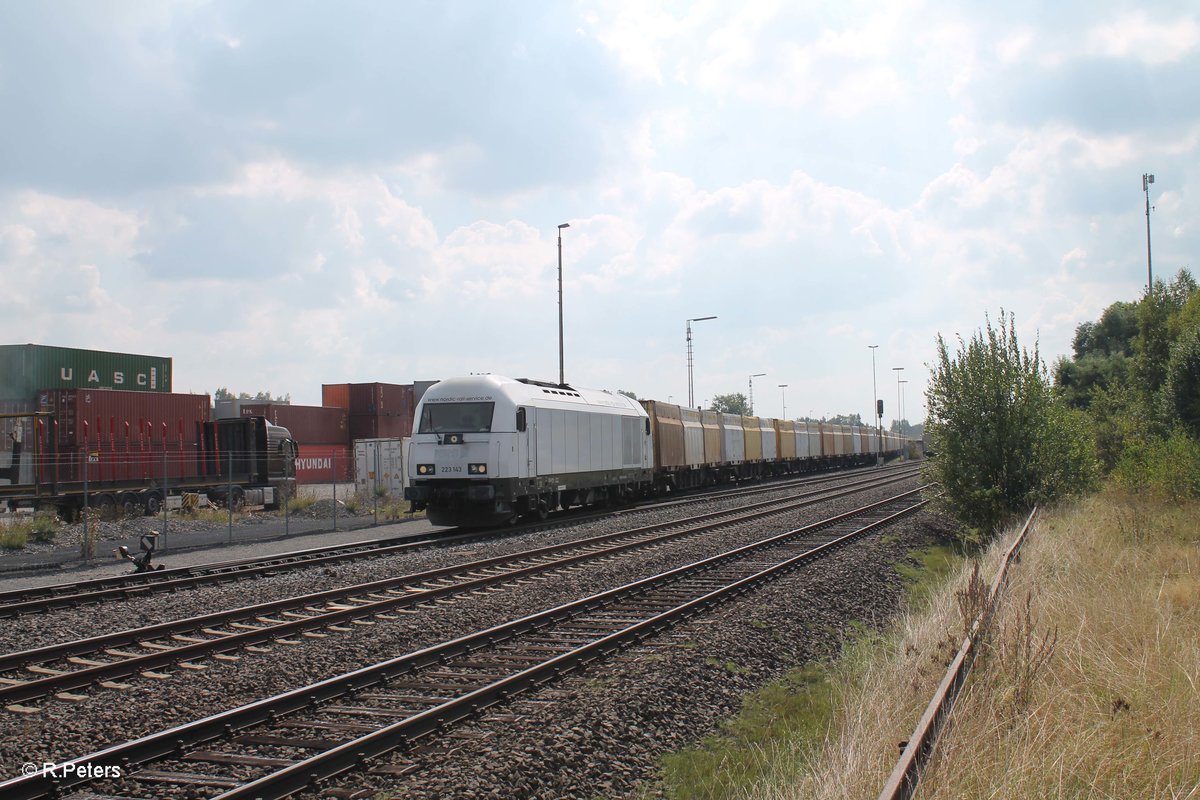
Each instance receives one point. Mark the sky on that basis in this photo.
(280, 195)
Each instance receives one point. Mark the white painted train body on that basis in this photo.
(486, 449)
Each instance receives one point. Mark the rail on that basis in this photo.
(902, 783)
(599, 625)
(69, 595)
(320, 610)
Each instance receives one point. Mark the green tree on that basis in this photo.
(223, 393)
(1102, 353)
(627, 393)
(1161, 321)
(735, 403)
(846, 419)
(1002, 442)
(1153, 343)
(1181, 394)
(1117, 418)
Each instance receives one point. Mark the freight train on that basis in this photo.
(487, 449)
(140, 451)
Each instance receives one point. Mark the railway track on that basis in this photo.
(101, 661)
(74, 594)
(291, 742)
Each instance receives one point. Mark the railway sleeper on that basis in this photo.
(213, 757)
(185, 779)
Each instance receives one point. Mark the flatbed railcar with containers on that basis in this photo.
(487, 449)
(129, 450)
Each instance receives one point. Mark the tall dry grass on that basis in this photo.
(1089, 687)
(879, 688)
(1114, 710)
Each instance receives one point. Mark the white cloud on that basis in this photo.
(821, 177)
(1137, 36)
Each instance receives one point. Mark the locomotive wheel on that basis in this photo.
(153, 502)
(106, 506)
(132, 505)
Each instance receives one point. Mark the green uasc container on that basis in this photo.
(26, 368)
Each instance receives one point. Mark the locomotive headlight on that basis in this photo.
(424, 469)
(477, 469)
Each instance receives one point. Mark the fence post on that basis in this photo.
(289, 462)
(162, 538)
(375, 486)
(87, 533)
(333, 468)
(229, 496)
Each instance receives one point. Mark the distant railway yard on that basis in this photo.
(559, 659)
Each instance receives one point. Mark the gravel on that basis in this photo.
(599, 733)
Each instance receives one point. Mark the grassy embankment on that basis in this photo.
(1090, 685)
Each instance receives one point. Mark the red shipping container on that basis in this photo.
(364, 426)
(381, 399)
(307, 424)
(323, 463)
(126, 435)
(335, 395)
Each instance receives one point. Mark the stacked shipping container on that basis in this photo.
(27, 368)
(122, 436)
(376, 410)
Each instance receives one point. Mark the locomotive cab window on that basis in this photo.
(521, 419)
(456, 418)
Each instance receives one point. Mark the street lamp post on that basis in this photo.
(783, 398)
(1148, 179)
(752, 377)
(898, 370)
(691, 395)
(561, 374)
(875, 408)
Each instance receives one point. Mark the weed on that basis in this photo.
(1022, 655)
(972, 600)
(14, 539)
(44, 527)
(301, 501)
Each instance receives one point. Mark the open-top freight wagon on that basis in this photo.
(114, 450)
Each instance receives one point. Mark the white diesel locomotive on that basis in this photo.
(487, 449)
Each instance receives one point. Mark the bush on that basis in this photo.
(1003, 442)
(44, 527)
(1168, 468)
